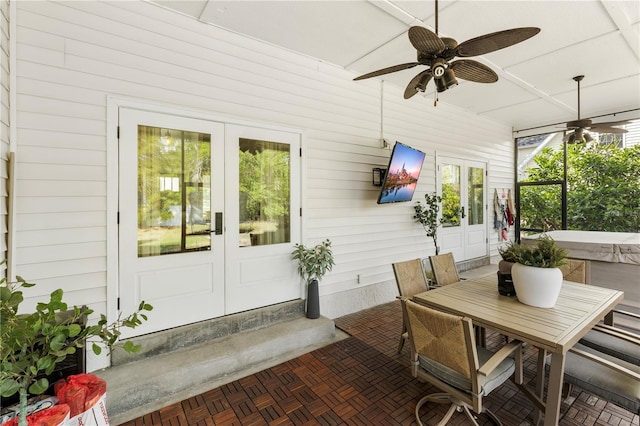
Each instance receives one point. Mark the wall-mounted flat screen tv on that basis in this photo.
(402, 174)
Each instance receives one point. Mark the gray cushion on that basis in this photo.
(602, 381)
(614, 346)
(498, 376)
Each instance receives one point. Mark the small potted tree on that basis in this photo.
(535, 272)
(313, 264)
(427, 215)
(32, 344)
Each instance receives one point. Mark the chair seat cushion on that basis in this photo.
(602, 381)
(611, 345)
(498, 376)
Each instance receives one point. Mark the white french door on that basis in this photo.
(462, 185)
(208, 215)
(263, 204)
(171, 180)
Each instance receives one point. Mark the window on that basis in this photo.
(264, 192)
(174, 181)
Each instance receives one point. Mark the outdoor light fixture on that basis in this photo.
(378, 176)
(447, 80)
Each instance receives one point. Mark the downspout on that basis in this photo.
(535, 152)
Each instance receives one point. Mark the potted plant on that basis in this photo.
(536, 275)
(32, 344)
(313, 263)
(427, 215)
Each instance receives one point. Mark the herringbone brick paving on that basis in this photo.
(362, 381)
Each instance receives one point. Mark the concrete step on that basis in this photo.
(138, 387)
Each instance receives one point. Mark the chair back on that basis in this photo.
(410, 277)
(444, 338)
(577, 270)
(444, 269)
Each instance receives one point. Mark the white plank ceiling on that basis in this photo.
(596, 38)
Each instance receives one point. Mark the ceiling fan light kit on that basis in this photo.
(436, 53)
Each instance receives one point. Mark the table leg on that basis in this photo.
(540, 376)
(554, 390)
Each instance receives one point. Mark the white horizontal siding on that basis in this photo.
(72, 55)
(50, 237)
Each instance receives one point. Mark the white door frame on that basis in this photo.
(114, 104)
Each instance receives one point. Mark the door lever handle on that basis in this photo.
(218, 224)
(462, 209)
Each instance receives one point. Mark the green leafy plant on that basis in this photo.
(313, 262)
(427, 215)
(32, 344)
(603, 189)
(545, 253)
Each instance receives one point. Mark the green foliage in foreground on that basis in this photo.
(603, 189)
(32, 344)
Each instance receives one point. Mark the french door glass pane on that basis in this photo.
(450, 195)
(174, 191)
(265, 169)
(476, 195)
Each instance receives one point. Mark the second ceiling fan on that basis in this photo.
(436, 52)
(578, 130)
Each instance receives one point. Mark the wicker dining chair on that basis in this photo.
(411, 280)
(577, 270)
(445, 272)
(444, 269)
(444, 353)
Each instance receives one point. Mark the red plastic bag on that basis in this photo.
(86, 396)
(58, 415)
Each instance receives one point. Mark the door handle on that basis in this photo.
(462, 210)
(218, 224)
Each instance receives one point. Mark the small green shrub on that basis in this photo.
(313, 262)
(544, 254)
(32, 344)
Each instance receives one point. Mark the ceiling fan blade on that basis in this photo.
(388, 70)
(417, 84)
(425, 41)
(597, 128)
(612, 123)
(495, 41)
(475, 71)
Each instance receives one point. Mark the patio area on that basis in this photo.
(362, 381)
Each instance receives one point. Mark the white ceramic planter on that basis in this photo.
(539, 287)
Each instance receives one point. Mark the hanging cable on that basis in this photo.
(382, 113)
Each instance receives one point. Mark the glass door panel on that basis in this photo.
(451, 197)
(265, 181)
(475, 198)
(174, 191)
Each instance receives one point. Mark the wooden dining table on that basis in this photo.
(552, 330)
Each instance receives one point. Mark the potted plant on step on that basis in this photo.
(313, 263)
(32, 344)
(536, 275)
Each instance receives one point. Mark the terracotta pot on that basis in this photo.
(539, 287)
